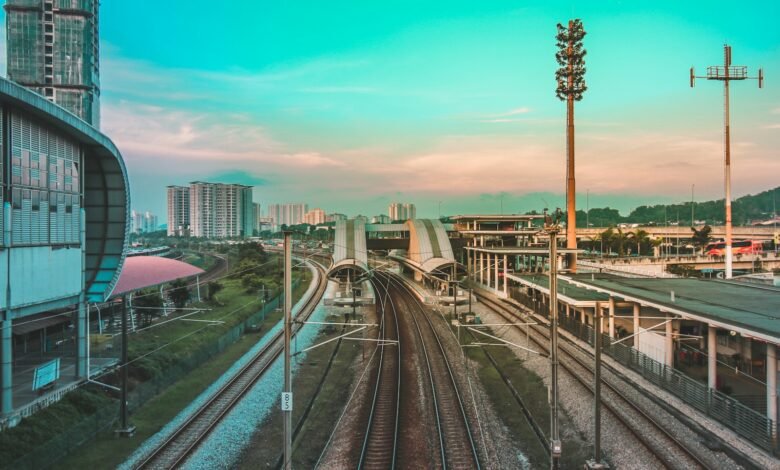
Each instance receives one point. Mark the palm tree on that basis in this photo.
(641, 237)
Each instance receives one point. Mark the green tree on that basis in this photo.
(147, 305)
(179, 293)
(213, 288)
(701, 237)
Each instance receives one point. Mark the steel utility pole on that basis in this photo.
(571, 85)
(726, 73)
(596, 463)
(126, 429)
(287, 400)
(552, 227)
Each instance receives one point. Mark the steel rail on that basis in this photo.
(378, 450)
(660, 454)
(174, 450)
(439, 393)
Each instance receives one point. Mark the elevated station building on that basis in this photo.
(64, 214)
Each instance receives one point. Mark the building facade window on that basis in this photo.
(45, 186)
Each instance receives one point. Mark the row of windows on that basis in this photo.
(44, 190)
(43, 217)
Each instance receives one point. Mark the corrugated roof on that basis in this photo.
(140, 272)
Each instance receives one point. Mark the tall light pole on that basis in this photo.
(571, 85)
(552, 227)
(726, 73)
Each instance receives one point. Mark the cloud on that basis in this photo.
(771, 126)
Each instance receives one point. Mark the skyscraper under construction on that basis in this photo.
(53, 49)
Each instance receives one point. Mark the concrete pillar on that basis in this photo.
(82, 331)
(468, 265)
(506, 290)
(6, 364)
(495, 272)
(611, 317)
(481, 268)
(636, 326)
(487, 270)
(771, 384)
(712, 355)
(669, 343)
(582, 316)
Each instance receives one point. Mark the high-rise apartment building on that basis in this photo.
(142, 222)
(53, 49)
(178, 211)
(220, 210)
(401, 211)
(314, 217)
(287, 214)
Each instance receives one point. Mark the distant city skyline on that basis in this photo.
(350, 108)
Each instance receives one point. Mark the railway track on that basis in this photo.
(456, 443)
(669, 450)
(381, 438)
(175, 449)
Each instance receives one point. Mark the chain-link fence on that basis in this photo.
(745, 421)
(46, 454)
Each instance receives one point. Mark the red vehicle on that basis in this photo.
(738, 247)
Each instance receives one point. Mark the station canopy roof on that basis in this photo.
(140, 272)
(750, 310)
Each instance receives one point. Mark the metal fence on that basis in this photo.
(745, 421)
(48, 453)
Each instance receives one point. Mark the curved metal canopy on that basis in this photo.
(106, 187)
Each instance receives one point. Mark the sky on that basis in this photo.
(349, 106)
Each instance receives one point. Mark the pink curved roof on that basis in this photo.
(140, 272)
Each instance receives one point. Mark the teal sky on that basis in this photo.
(351, 105)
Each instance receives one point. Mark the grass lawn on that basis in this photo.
(165, 346)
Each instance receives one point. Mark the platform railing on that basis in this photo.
(745, 421)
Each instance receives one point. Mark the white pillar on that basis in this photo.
(611, 317)
(487, 270)
(636, 326)
(582, 316)
(506, 290)
(771, 384)
(712, 354)
(495, 272)
(481, 268)
(669, 343)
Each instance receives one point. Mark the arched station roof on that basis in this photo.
(429, 246)
(106, 187)
(349, 250)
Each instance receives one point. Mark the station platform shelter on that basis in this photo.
(713, 343)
